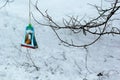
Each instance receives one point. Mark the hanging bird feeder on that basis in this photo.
(29, 37)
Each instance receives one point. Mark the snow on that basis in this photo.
(54, 60)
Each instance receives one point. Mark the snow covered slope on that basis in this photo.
(53, 61)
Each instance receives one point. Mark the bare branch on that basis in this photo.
(5, 3)
(97, 26)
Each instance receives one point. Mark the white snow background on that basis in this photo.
(53, 60)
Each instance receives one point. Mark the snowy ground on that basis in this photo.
(53, 61)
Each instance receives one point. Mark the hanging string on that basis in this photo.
(101, 3)
(29, 11)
